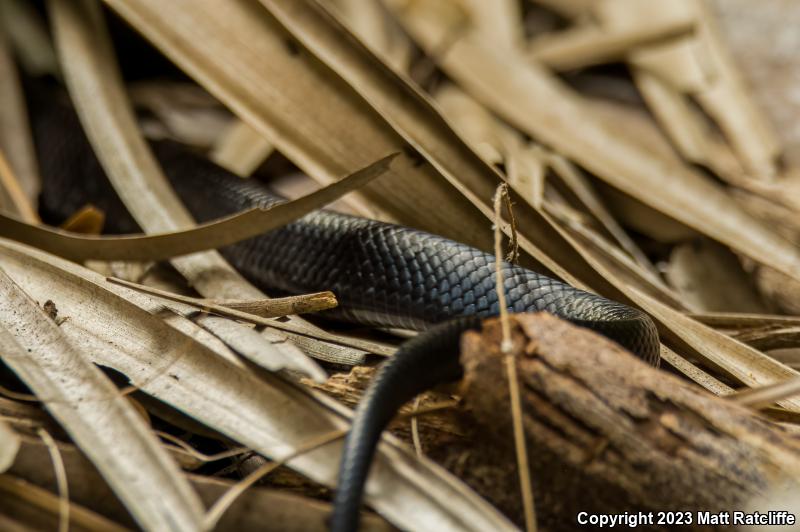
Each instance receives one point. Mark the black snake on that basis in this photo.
(382, 274)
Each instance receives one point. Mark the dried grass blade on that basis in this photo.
(766, 395)
(735, 359)
(100, 420)
(61, 479)
(210, 235)
(735, 320)
(12, 197)
(263, 308)
(731, 104)
(586, 45)
(15, 134)
(694, 373)
(770, 338)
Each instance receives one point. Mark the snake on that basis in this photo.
(383, 275)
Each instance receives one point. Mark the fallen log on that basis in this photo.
(608, 434)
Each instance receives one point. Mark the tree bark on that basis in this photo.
(606, 433)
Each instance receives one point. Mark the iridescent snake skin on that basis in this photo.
(382, 274)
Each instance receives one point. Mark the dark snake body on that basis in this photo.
(382, 274)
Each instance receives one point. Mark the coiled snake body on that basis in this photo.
(382, 274)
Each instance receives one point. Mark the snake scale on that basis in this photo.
(382, 274)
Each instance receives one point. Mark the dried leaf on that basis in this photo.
(586, 45)
(210, 235)
(90, 408)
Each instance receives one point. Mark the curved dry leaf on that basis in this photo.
(588, 45)
(98, 418)
(210, 235)
(271, 415)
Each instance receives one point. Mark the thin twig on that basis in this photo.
(219, 310)
(261, 308)
(506, 347)
(766, 395)
(17, 396)
(430, 409)
(197, 454)
(513, 243)
(415, 429)
(61, 479)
